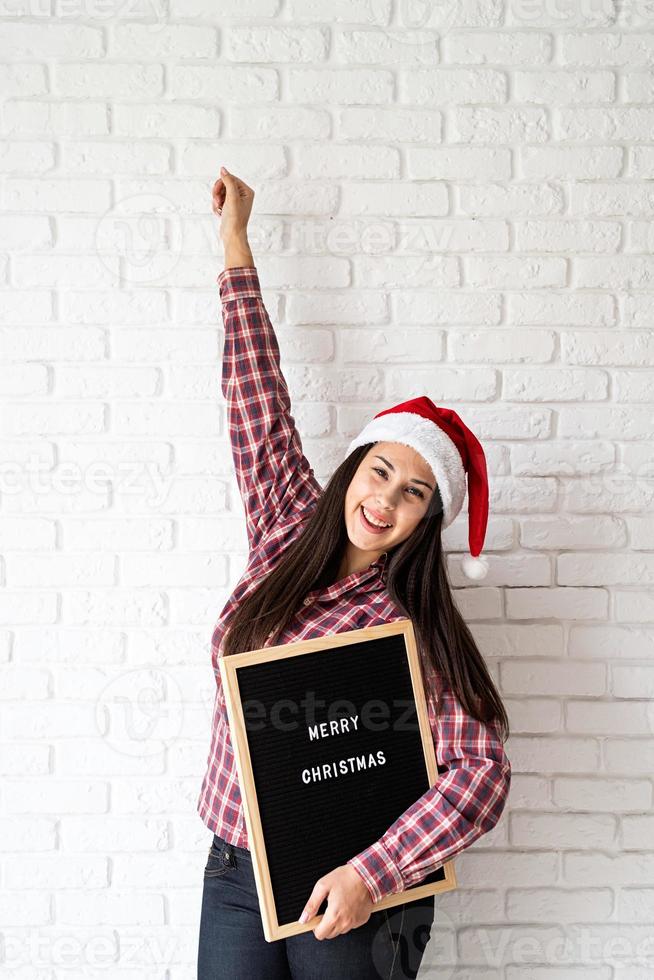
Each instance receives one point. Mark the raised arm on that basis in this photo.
(274, 476)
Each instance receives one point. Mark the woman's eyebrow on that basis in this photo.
(412, 480)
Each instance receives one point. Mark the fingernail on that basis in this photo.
(304, 916)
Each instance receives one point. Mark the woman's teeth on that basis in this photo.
(373, 521)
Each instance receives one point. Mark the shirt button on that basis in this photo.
(307, 602)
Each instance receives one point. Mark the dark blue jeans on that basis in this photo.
(232, 946)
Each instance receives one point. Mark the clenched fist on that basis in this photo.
(232, 199)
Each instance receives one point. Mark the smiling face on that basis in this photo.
(393, 485)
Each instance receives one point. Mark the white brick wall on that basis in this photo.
(453, 198)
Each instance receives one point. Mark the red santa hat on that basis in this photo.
(453, 452)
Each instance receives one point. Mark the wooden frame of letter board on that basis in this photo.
(229, 667)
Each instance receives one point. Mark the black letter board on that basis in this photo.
(332, 743)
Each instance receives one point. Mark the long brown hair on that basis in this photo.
(416, 582)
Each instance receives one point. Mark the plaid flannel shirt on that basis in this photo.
(279, 491)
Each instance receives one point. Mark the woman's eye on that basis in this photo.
(418, 493)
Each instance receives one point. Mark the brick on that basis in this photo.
(563, 235)
(497, 47)
(573, 754)
(58, 119)
(161, 120)
(605, 569)
(455, 163)
(566, 830)
(620, 718)
(281, 122)
(501, 346)
(619, 641)
(350, 86)
(122, 81)
(58, 195)
(571, 163)
(610, 49)
(351, 11)
(42, 418)
(439, 86)
(635, 756)
(510, 125)
(557, 603)
(33, 41)
(607, 200)
(553, 678)
(564, 87)
(515, 271)
(348, 162)
(425, 198)
(638, 86)
(511, 201)
(520, 640)
(628, 123)
(616, 272)
(110, 158)
(608, 347)
(130, 40)
(561, 531)
(528, 13)
(207, 10)
(61, 570)
(22, 79)
(29, 157)
(601, 794)
(556, 384)
(394, 46)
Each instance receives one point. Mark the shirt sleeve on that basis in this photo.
(465, 802)
(273, 474)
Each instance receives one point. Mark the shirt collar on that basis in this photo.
(370, 579)
(382, 564)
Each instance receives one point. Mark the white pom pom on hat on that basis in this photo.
(474, 568)
(454, 454)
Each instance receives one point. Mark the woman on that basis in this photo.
(365, 550)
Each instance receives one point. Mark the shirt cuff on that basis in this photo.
(379, 871)
(239, 282)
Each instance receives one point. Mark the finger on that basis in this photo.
(320, 892)
(218, 194)
(232, 181)
(326, 925)
(329, 926)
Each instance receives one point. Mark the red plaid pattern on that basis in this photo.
(279, 491)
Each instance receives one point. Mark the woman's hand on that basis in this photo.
(232, 199)
(348, 902)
